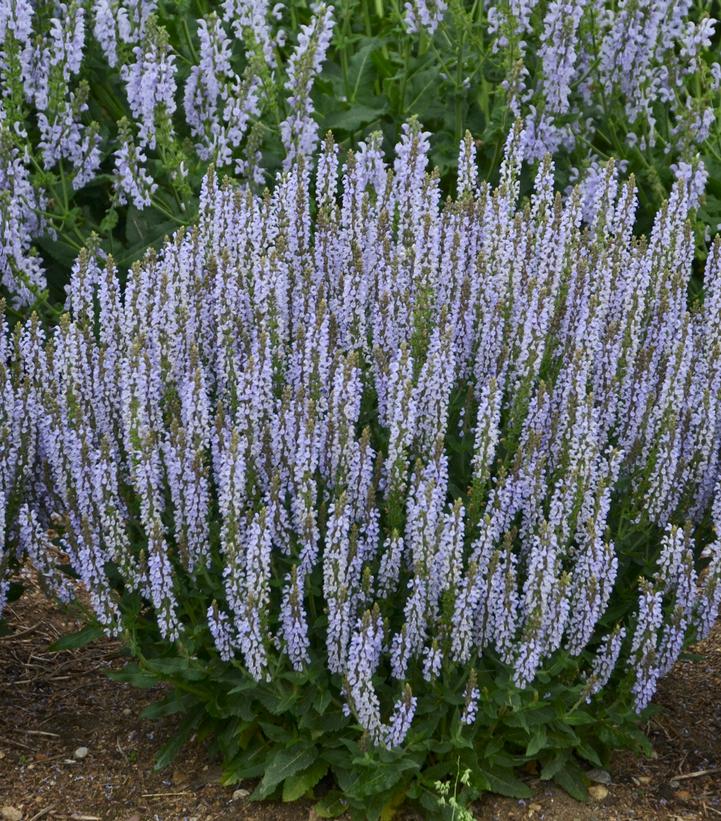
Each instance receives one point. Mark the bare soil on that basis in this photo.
(52, 703)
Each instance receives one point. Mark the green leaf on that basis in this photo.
(169, 706)
(378, 777)
(169, 750)
(247, 765)
(391, 805)
(571, 779)
(361, 66)
(144, 230)
(586, 751)
(174, 667)
(274, 700)
(504, 782)
(14, 591)
(109, 221)
(80, 639)
(332, 721)
(284, 764)
(274, 732)
(331, 805)
(59, 251)
(132, 674)
(538, 741)
(244, 686)
(240, 705)
(494, 745)
(322, 700)
(346, 777)
(578, 718)
(552, 764)
(354, 118)
(298, 785)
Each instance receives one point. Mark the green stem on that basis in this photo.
(191, 47)
(367, 18)
(404, 82)
(62, 181)
(158, 205)
(459, 89)
(344, 51)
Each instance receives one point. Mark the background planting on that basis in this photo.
(110, 112)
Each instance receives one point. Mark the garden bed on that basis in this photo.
(53, 703)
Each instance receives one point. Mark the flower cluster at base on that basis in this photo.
(398, 435)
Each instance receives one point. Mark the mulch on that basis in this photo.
(54, 704)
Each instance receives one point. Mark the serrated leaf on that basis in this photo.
(284, 764)
(240, 706)
(275, 733)
(571, 779)
(538, 741)
(247, 765)
(74, 640)
(504, 782)
(517, 719)
(276, 701)
(381, 777)
(143, 230)
(59, 251)
(553, 764)
(298, 785)
(586, 751)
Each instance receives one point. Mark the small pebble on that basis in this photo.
(240, 794)
(127, 711)
(11, 814)
(598, 792)
(80, 753)
(599, 776)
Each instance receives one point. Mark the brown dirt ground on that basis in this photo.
(51, 703)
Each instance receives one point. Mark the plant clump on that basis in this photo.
(388, 486)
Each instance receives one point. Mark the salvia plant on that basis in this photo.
(112, 110)
(387, 487)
